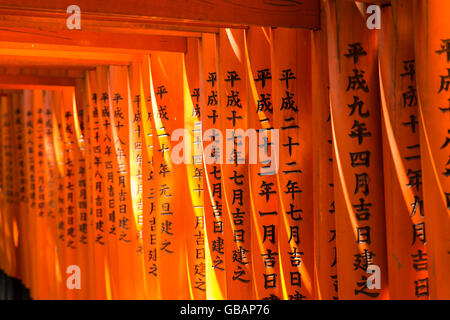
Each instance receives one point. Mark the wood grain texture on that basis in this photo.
(22, 81)
(104, 40)
(281, 13)
(373, 1)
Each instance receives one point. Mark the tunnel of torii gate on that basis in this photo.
(225, 149)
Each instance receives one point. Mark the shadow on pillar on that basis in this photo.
(12, 288)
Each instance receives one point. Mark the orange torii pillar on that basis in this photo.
(291, 96)
(263, 179)
(95, 147)
(149, 190)
(196, 251)
(216, 282)
(136, 174)
(401, 155)
(104, 102)
(432, 54)
(358, 177)
(325, 251)
(233, 108)
(170, 177)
